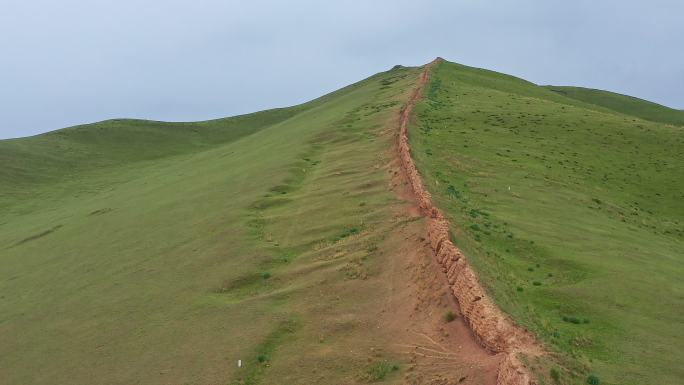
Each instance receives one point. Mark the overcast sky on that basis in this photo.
(68, 62)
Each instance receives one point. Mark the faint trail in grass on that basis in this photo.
(39, 235)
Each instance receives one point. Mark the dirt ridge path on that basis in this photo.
(491, 327)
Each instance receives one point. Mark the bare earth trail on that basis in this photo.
(438, 353)
(487, 335)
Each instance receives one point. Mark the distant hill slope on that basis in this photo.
(77, 152)
(571, 213)
(624, 104)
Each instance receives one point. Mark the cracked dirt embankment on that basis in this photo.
(496, 332)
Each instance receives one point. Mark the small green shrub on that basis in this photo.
(449, 316)
(536, 283)
(555, 375)
(262, 358)
(451, 190)
(593, 380)
(476, 213)
(379, 370)
(347, 233)
(519, 288)
(265, 275)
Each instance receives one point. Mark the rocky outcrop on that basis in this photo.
(497, 333)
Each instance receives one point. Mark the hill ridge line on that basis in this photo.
(491, 327)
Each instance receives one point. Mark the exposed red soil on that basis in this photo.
(436, 352)
(492, 329)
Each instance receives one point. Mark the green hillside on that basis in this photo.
(43, 161)
(136, 252)
(623, 104)
(141, 252)
(571, 214)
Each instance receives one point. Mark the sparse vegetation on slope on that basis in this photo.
(571, 214)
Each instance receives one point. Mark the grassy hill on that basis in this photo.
(65, 155)
(623, 104)
(571, 213)
(139, 252)
(136, 252)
